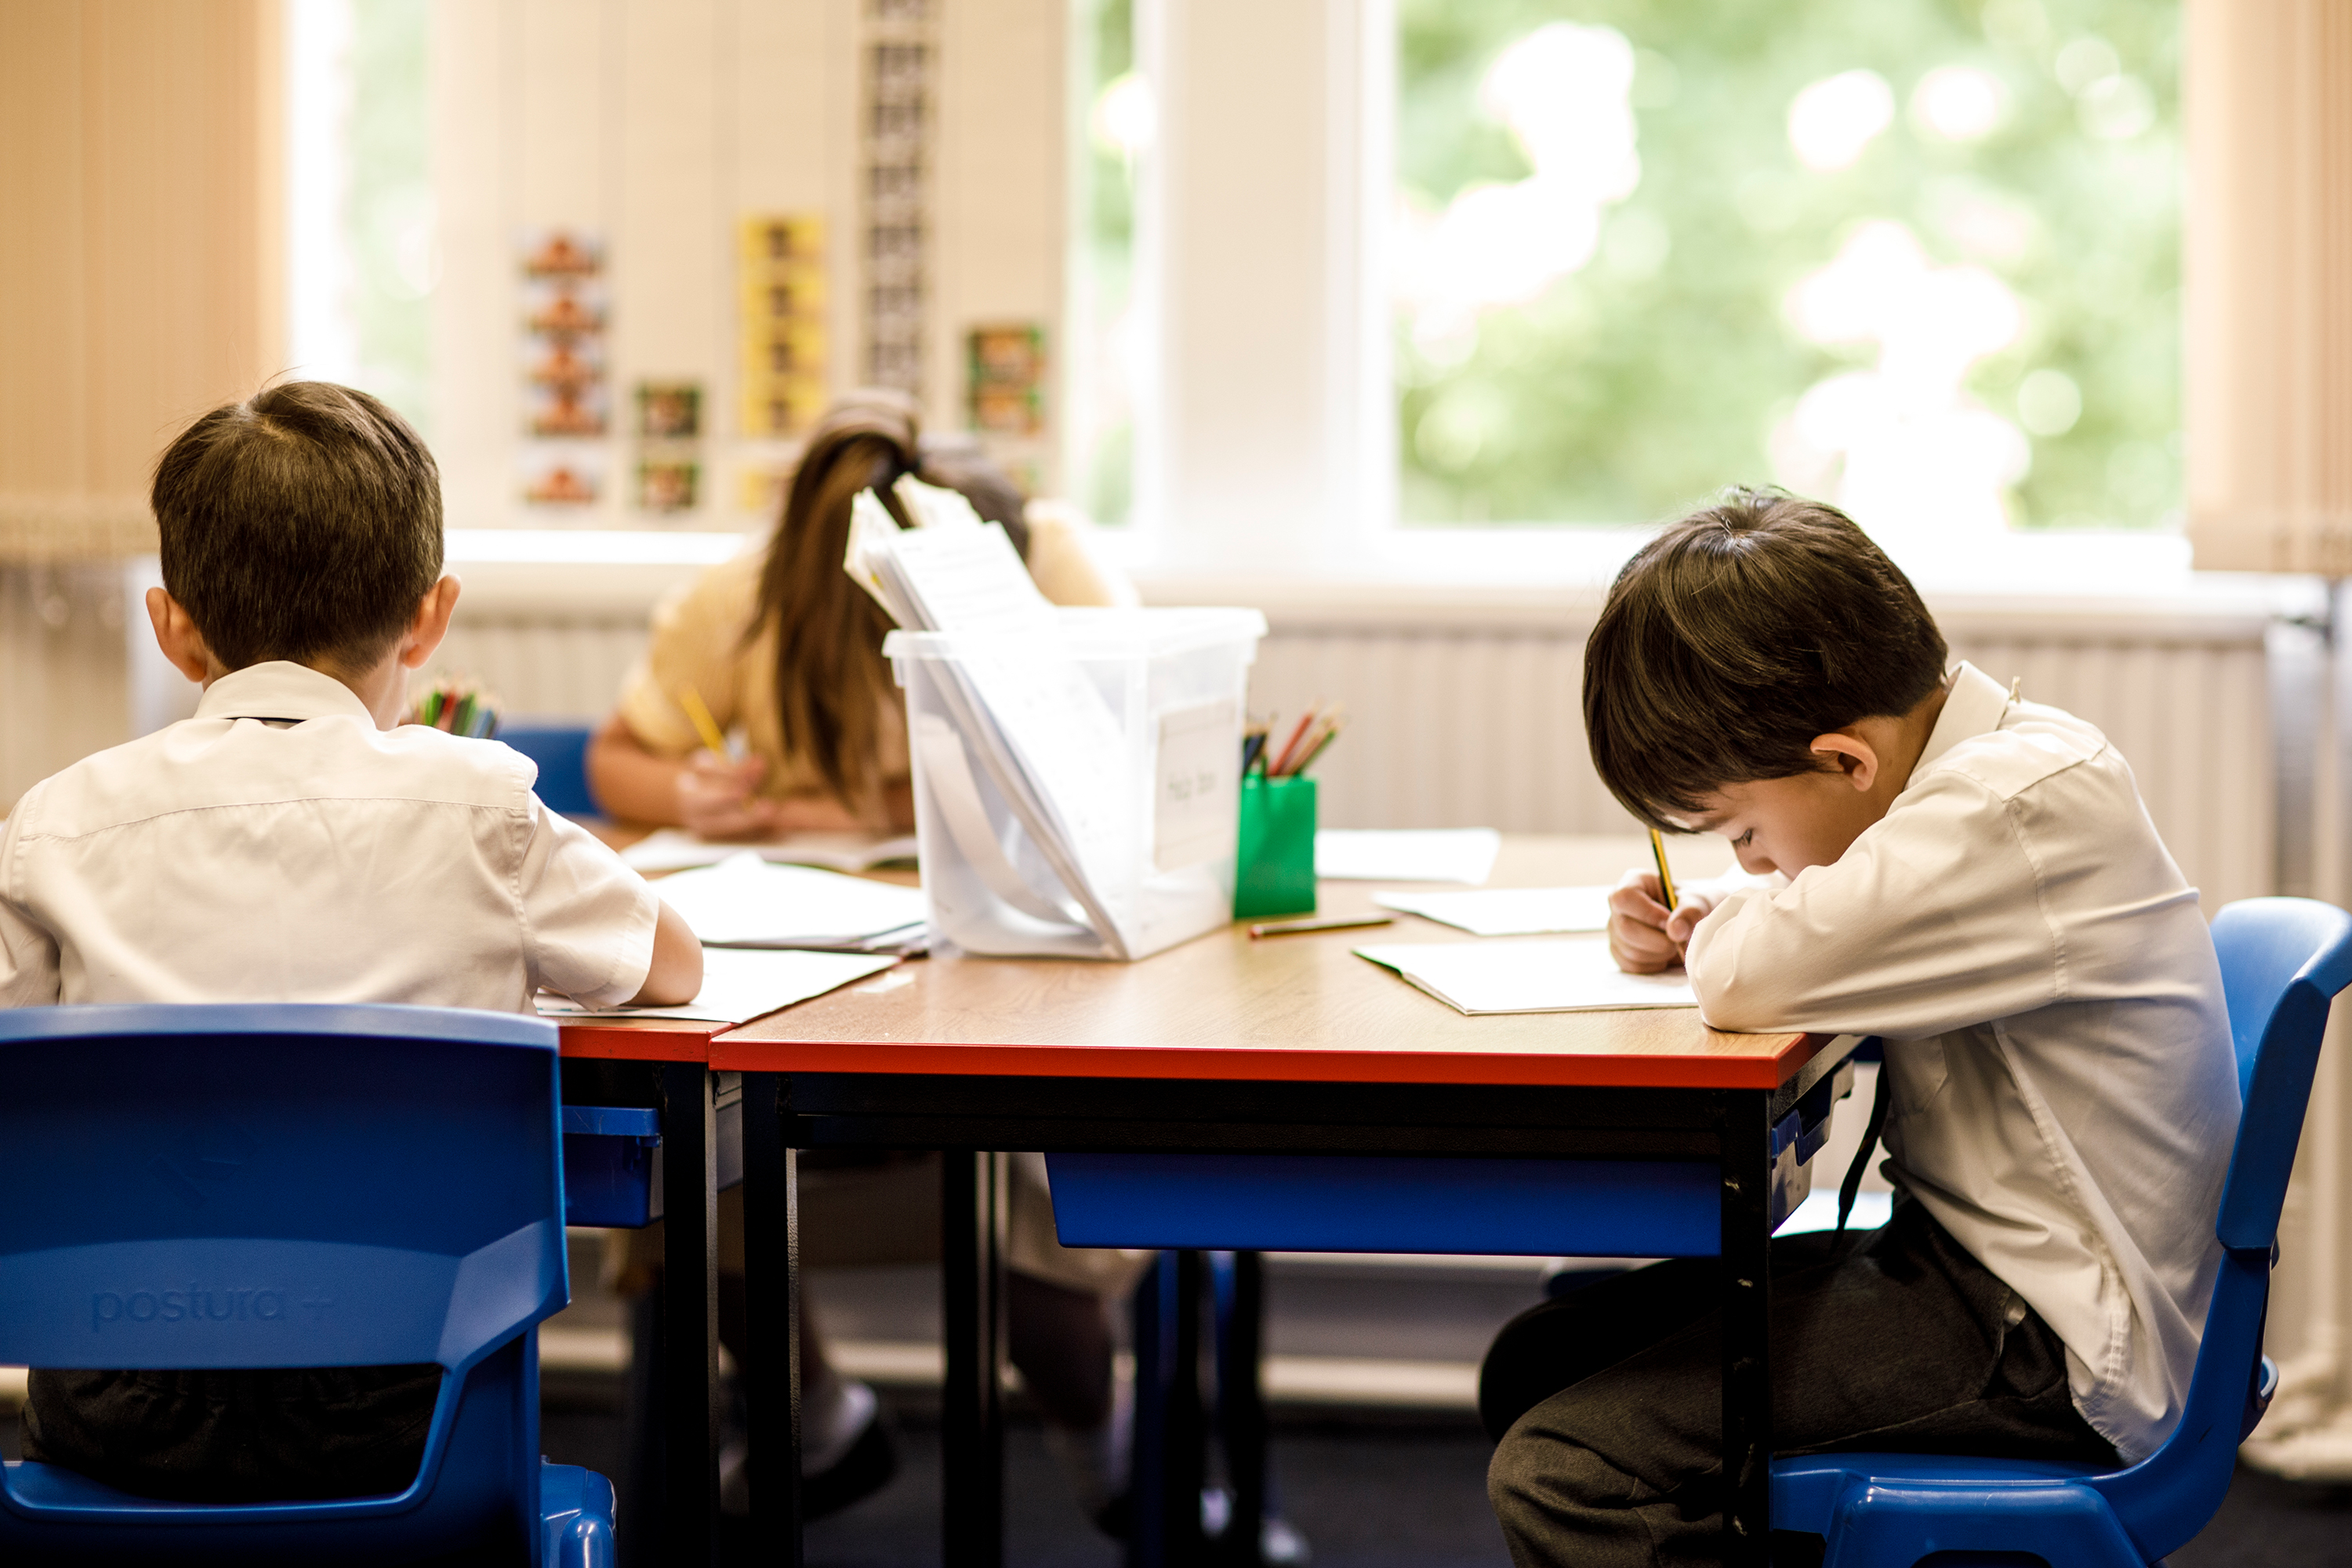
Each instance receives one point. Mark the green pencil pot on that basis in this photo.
(1274, 866)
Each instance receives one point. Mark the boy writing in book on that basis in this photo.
(291, 844)
(1971, 877)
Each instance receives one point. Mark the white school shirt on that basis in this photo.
(2063, 1091)
(279, 847)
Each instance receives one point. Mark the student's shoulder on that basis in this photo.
(721, 598)
(2034, 745)
(479, 771)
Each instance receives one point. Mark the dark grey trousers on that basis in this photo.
(263, 1435)
(1609, 1401)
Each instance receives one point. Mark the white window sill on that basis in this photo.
(1533, 577)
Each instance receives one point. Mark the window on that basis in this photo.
(363, 255)
(1921, 257)
(1111, 131)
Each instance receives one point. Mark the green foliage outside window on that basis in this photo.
(1669, 363)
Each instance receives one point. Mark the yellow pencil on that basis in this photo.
(1665, 877)
(708, 728)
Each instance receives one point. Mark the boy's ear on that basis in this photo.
(1849, 755)
(432, 623)
(176, 634)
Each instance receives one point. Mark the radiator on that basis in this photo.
(1459, 716)
(1460, 721)
(1456, 726)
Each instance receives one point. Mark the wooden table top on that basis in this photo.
(1295, 1009)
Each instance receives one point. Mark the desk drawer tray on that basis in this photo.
(1332, 1203)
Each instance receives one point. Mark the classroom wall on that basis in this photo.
(140, 284)
(657, 125)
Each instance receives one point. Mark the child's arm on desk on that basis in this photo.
(674, 977)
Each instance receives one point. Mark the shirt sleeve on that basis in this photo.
(696, 638)
(1067, 562)
(1933, 921)
(29, 952)
(588, 919)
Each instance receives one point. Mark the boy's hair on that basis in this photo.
(1736, 636)
(303, 524)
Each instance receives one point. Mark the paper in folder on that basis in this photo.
(1573, 976)
(1017, 703)
(746, 901)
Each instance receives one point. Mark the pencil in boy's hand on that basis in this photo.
(1665, 877)
(699, 711)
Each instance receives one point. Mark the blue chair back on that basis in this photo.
(561, 750)
(286, 1185)
(2283, 961)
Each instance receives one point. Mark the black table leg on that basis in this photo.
(972, 1198)
(1165, 1474)
(772, 1294)
(1747, 1330)
(689, 1316)
(1241, 1408)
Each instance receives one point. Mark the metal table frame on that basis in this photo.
(966, 1115)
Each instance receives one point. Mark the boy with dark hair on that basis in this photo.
(293, 843)
(1971, 877)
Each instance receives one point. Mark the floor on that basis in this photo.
(1369, 1485)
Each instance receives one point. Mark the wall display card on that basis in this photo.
(563, 314)
(1407, 855)
(1508, 912)
(739, 987)
(1005, 371)
(568, 474)
(780, 323)
(1482, 977)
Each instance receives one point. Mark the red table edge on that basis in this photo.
(1592, 1071)
(639, 1043)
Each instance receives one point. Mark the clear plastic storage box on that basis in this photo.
(1077, 795)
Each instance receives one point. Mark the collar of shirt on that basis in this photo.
(281, 688)
(1974, 707)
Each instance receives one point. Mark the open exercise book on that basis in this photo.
(1019, 707)
(1575, 977)
(739, 987)
(675, 850)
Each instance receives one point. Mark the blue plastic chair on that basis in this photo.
(2283, 961)
(560, 751)
(294, 1185)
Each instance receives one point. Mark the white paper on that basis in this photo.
(1508, 912)
(675, 850)
(1575, 977)
(1411, 855)
(745, 900)
(935, 506)
(739, 987)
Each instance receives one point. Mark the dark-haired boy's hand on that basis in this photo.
(1644, 936)
(715, 798)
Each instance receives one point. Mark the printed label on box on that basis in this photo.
(1199, 785)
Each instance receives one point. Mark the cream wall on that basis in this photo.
(659, 123)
